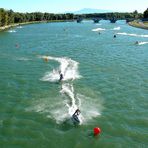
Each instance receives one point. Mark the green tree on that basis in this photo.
(10, 17)
(135, 14)
(145, 14)
(3, 17)
(17, 18)
(39, 16)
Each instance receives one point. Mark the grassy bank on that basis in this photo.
(139, 24)
(33, 22)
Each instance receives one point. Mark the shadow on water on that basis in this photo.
(89, 134)
(67, 125)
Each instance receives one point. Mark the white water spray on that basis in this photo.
(98, 29)
(116, 28)
(68, 90)
(68, 67)
(11, 31)
(132, 34)
(142, 43)
(64, 107)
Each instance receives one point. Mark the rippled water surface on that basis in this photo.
(105, 77)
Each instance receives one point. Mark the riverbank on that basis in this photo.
(33, 22)
(138, 24)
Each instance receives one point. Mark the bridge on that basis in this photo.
(79, 20)
(129, 20)
(112, 20)
(96, 20)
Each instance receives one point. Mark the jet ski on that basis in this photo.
(75, 116)
(75, 119)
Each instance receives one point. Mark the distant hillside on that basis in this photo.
(89, 10)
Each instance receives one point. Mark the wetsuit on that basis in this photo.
(75, 116)
(61, 77)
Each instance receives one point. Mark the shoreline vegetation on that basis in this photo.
(9, 18)
(3, 28)
(137, 24)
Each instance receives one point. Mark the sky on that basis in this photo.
(59, 6)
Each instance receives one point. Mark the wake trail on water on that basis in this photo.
(74, 103)
(89, 108)
(68, 67)
(132, 34)
(116, 28)
(71, 100)
(142, 43)
(11, 31)
(102, 29)
(98, 29)
(19, 27)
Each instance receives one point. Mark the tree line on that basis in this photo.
(145, 14)
(8, 17)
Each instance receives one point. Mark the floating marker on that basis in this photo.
(46, 59)
(97, 131)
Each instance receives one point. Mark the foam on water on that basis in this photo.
(68, 90)
(101, 29)
(20, 27)
(116, 28)
(142, 43)
(11, 31)
(68, 67)
(90, 108)
(132, 34)
(98, 29)
(63, 109)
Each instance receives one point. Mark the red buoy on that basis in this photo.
(97, 131)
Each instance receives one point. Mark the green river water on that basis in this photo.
(105, 77)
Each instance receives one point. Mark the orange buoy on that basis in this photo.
(46, 59)
(97, 131)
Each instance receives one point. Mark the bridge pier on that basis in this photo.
(113, 20)
(79, 20)
(96, 20)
